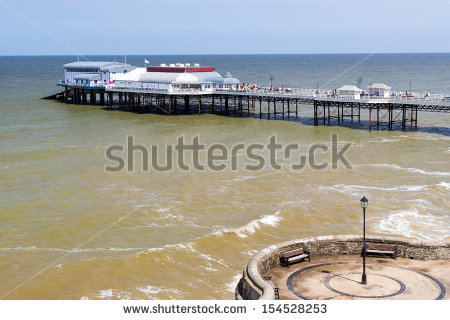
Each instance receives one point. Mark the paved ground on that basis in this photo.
(339, 277)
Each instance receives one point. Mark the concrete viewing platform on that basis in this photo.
(339, 278)
(421, 271)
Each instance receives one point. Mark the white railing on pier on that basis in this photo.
(298, 92)
(112, 87)
(74, 84)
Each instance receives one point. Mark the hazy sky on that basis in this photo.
(227, 26)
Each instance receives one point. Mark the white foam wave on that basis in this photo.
(113, 293)
(209, 261)
(231, 286)
(356, 188)
(384, 140)
(411, 223)
(446, 185)
(152, 291)
(252, 226)
(412, 170)
(249, 252)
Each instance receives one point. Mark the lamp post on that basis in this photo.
(271, 79)
(364, 204)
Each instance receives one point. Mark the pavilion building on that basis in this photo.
(176, 78)
(349, 92)
(94, 74)
(380, 90)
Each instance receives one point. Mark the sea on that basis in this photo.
(70, 229)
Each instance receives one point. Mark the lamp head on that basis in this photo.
(364, 202)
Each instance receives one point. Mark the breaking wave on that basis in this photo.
(411, 223)
(253, 226)
(412, 170)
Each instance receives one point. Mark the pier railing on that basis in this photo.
(313, 93)
(297, 92)
(74, 84)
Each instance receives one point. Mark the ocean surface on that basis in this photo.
(71, 230)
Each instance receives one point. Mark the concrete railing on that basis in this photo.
(252, 286)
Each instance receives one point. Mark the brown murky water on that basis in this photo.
(71, 230)
(192, 240)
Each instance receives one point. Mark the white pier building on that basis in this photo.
(94, 74)
(175, 78)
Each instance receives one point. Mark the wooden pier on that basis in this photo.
(382, 113)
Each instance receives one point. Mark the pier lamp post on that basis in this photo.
(271, 79)
(364, 204)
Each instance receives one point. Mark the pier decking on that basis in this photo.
(382, 112)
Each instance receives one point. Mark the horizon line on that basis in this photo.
(216, 54)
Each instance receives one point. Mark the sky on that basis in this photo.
(55, 27)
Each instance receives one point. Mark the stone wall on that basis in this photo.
(253, 286)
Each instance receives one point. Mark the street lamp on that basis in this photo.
(271, 79)
(364, 204)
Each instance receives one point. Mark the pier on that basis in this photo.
(382, 113)
(184, 89)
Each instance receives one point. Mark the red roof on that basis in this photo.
(180, 69)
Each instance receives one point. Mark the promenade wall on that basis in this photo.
(253, 287)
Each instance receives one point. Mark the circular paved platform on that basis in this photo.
(386, 279)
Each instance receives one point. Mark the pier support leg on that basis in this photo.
(390, 119)
(316, 118)
(289, 109)
(66, 95)
(339, 115)
(77, 95)
(226, 105)
(260, 107)
(403, 118)
(186, 104)
(274, 107)
(378, 118)
(329, 115)
(282, 106)
(415, 118)
(102, 98)
(296, 108)
(175, 103)
(199, 105)
(212, 105)
(241, 106)
(324, 114)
